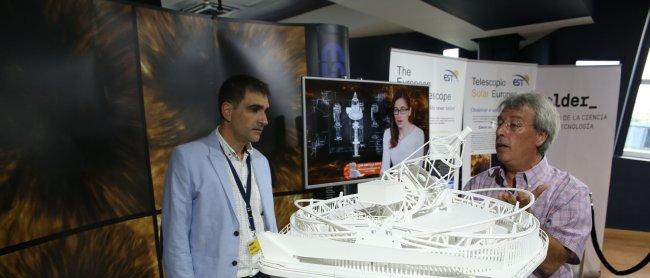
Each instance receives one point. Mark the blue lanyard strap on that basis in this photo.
(246, 195)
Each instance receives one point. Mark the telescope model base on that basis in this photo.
(409, 224)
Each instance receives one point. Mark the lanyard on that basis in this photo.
(246, 195)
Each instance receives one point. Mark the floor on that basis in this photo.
(624, 249)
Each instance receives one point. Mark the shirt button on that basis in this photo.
(234, 263)
(236, 233)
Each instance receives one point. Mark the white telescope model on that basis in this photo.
(374, 108)
(409, 224)
(355, 113)
(337, 121)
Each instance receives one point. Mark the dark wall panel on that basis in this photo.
(72, 150)
(125, 249)
(275, 54)
(93, 96)
(185, 59)
(178, 83)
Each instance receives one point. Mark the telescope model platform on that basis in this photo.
(409, 224)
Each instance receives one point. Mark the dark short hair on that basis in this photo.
(235, 87)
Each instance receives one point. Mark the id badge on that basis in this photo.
(254, 247)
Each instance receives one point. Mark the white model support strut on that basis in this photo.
(409, 224)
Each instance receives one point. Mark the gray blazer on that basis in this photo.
(198, 210)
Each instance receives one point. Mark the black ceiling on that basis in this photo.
(287, 9)
(497, 14)
(265, 10)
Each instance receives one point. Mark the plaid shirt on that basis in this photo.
(563, 209)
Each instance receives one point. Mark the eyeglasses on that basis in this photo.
(400, 111)
(512, 125)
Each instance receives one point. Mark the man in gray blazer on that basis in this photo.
(217, 194)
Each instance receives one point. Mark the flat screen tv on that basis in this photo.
(347, 127)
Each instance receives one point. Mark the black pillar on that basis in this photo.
(327, 56)
(327, 50)
(499, 48)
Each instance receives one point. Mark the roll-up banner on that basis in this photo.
(445, 77)
(587, 99)
(486, 85)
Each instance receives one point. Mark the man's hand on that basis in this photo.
(556, 254)
(523, 200)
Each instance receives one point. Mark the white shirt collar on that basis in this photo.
(230, 152)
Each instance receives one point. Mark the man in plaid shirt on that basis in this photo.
(526, 126)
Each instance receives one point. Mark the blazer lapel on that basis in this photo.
(218, 160)
(261, 179)
(264, 188)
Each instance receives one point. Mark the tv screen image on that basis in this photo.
(346, 124)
